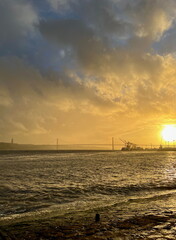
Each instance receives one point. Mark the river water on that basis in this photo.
(43, 184)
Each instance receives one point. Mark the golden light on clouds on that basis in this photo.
(87, 70)
(169, 133)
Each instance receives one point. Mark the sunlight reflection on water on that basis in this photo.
(57, 183)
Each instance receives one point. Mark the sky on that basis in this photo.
(84, 71)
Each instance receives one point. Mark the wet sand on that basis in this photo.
(149, 226)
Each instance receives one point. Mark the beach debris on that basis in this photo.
(97, 217)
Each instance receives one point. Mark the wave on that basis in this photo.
(129, 189)
(26, 201)
(77, 191)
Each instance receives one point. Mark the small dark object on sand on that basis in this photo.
(97, 217)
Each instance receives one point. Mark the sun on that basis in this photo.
(169, 133)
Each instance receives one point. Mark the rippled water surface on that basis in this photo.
(37, 183)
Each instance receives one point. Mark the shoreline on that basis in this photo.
(147, 226)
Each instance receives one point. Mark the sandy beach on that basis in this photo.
(161, 226)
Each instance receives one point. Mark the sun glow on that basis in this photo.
(169, 133)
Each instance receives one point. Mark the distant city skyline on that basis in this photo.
(87, 71)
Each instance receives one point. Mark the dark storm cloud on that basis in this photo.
(127, 17)
(68, 31)
(107, 33)
(76, 34)
(113, 41)
(17, 20)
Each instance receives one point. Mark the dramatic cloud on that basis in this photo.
(88, 70)
(134, 27)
